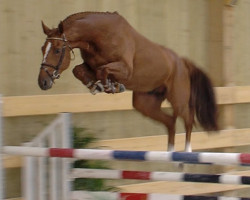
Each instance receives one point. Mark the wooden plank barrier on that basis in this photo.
(51, 104)
(175, 188)
(222, 139)
(12, 161)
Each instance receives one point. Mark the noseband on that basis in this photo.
(44, 66)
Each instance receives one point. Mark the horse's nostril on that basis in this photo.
(45, 83)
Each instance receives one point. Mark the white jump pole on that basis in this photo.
(161, 156)
(53, 172)
(66, 164)
(42, 174)
(28, 177)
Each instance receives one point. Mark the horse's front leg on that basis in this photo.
(111, 74)
(88, 78)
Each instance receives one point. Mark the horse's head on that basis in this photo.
(56, 56)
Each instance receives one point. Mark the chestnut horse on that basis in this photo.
(116, 57)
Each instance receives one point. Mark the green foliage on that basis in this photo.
(82, 138)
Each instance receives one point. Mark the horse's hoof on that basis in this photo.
(96, 88)
(93, 90)
(122, 88)
(99, 86)
(118, 88)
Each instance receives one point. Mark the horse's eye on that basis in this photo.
(57, 51)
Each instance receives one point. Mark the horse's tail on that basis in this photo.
(202, 98)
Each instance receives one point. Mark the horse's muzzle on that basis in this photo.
(45, 83)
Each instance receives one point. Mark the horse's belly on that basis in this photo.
(147, 78)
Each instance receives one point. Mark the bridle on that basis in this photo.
(44, 65)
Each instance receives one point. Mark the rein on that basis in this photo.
(55, 74)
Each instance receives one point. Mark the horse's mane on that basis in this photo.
(81, 15)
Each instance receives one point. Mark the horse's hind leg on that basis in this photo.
(188, 117)
(149, 104)
(179, 97)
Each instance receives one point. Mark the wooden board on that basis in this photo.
(77, 103)
(12, 161)
(200, 141)
(74, 103)
(182, 188)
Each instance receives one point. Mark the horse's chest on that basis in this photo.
(95, 61)
(98, 59)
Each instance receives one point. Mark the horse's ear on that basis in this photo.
(60, 27)
(46, 29)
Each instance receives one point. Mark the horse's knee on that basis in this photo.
(78, 71)
(82, 73)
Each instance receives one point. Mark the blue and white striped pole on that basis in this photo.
(162, 156)
(160, 176)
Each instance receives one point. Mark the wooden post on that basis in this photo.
(228, 62)
(228, 22)
(2, 181)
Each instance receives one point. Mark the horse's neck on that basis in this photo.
(84, 33)
(78, 34)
